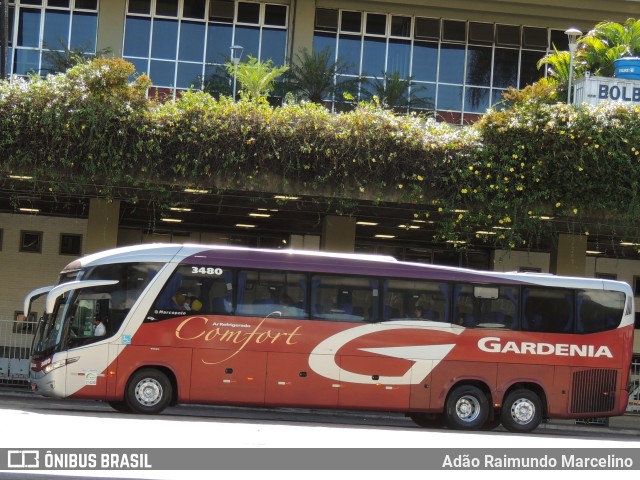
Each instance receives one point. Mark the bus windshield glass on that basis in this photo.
(87, 315)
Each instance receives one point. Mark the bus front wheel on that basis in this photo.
(149, 391)
(521, 411)
(467, 408)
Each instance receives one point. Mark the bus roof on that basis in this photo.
(326, 262)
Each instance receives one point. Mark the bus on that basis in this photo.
(283, 328)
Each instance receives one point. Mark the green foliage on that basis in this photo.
(596, 51)
(256, 79)
(93, 131)
(544, 91)
(393, 91)
(316, 76)
(63, 58)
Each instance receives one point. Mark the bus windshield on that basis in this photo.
(87, 315)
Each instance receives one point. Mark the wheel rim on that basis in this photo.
(468, 408)
(523, 411)
(148, 392)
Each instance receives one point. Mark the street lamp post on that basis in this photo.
(236, 54)
(573, 34)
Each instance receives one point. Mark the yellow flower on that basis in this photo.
(558, 205)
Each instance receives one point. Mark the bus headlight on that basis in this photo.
(60, 363)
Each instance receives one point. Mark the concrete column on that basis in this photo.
(304, 242)
(303, 17)
(102, 227)
(111, 18)
(569, 255)
(338, 234)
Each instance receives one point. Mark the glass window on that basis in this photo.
(449, 98)
(325, 41)
(194, 9)
(140, 6)
(505, 73)
(599, 310)
(58, 3)
(167, 8)
(477, 100)
(485, 306)
(349, 53)
(399, 57)
(26, 62)
(275, 15)
(373, 55)
(249, 39)
(29, 28)
(218, 43)
(451, 64)
(192, 42)
(56, 29)
(427, 28)
(344, 298)
(559, 40)
(529, 71)
(400, 26)
(535, 38)
(99, 311)
(376, 24)
(327, 19)
(162, 73)
(351, 22)
(83, 31)
(479, 66)
(248, 12)
(272, 294)
(481, 33)
(195, 289)
(425, 61)
(508, 35)
(70, 244)
(221, 11)
(87, 4)
(164, 39)
(547, 310)
(30, 242)
(136, 38)
(416, 300)
(454, 31)
(423, 95)
(274, 45)
(189, 75)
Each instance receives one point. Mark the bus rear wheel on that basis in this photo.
(521, 411)
(149, 391)
(467, 408)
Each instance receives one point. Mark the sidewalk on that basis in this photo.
(628, 424)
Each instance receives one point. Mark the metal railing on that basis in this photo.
(15, 342)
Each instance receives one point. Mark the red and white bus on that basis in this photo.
(235, 326)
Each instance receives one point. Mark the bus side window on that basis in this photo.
(547, 310)
(599, 310)
(344, 298)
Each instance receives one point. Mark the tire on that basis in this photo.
(425, 420)
(120, 406)
(149, 391)
(521, 411)
(467, 408)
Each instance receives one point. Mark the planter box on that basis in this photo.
(593, 90)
